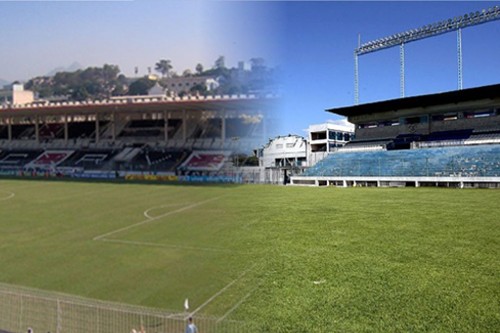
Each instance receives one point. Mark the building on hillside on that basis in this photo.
(445, 139)
(21, 96)
(183, 84)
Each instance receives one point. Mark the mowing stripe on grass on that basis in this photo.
(148, 220)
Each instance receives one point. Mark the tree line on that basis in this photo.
(106, 81)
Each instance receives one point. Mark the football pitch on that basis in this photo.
(290, 259)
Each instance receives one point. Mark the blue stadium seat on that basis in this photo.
(465, 161)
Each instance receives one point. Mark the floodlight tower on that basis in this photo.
(431, 30)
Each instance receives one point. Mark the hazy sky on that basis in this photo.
(312, 42)
(39, 36)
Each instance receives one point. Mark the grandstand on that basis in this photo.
(132, 135)
(445, 139)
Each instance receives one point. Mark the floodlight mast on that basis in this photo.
(431, 30)
(459, 57)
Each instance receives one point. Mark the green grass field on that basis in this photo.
(291, 259)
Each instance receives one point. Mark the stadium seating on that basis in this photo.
(17, 158)
(89, 159)
(205, 161)
(50, 158)
(465, 161)
(164, 160)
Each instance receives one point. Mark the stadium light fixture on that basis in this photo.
(452, 24)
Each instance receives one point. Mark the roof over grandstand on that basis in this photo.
(450, 97)
(148, 104)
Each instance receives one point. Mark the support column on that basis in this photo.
(223, 125)
(97, 129)
(165, 125)
(459, 56)
(184, 126)
(402, 69)
(37, 129)
(356, 79)
(113, 126)
(66, 132)
(9, 129)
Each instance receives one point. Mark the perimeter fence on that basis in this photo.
(22, 308)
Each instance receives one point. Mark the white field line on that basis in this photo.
(10, 195)
(180, 247)
(238, 304)
(151, 219)
(146, 212)
(220, 292)
(154, 218)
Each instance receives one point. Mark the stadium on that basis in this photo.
(131, 214)
(449, 139)
(133, 136)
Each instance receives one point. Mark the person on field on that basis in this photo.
(191, 327)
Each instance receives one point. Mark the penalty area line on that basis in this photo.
(149, 220)
(146, 212)
(180, 247)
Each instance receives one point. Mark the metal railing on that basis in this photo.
(23, 308)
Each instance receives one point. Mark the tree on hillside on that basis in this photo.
(140, 86)
(220, 63)
(199, 89)
(199, 69)
(163, 66)
(90, 83)
(258, 64)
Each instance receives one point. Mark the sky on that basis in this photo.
(311, 42)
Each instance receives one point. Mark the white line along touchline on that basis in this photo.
(220, 291)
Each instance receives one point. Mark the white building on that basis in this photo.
(284, 151)
(289, 155)
(281, 157)
(327, 137)
(186, 83)
(21, 96)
